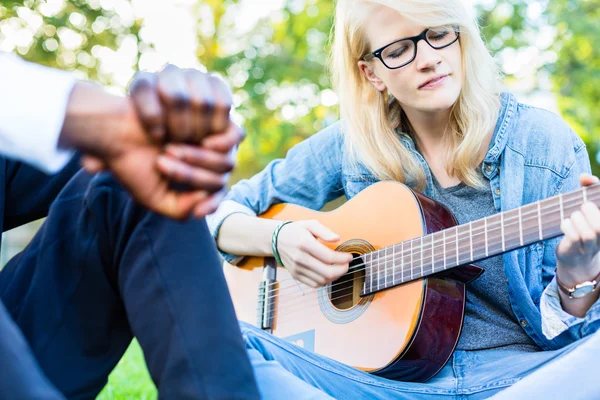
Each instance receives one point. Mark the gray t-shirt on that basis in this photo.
(489, 321)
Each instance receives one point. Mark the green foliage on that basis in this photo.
(277, 66)
(576, 73)
(130, 379)
(278, 73)
(68, 36)
(503, 23)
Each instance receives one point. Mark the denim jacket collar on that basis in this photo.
(507, 111)
(508, 107)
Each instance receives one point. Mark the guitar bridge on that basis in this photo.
(267, 291)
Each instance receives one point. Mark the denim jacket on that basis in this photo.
(534, 155)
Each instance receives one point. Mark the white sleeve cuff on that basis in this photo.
(555, 320)
(33, 103)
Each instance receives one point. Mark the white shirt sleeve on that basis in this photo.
(33, 102)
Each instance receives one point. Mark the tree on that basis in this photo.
(70, 35)
(278, 73)
(572, 56)
(277, 66)
(576, 73)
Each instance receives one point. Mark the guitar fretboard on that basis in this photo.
(472, 242)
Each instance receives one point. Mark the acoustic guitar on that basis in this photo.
(398, 311)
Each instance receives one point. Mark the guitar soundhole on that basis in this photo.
(345, 292)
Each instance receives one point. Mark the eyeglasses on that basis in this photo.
(402, 52)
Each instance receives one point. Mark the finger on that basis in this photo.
(92, 164)
(226, 140)
(307, 281)
(174, 94)
(194, 177)
(209, 205)
(179, 205)
(146, 100)
(318, 280)
(320, 231)
(326, 255)
(328, 273)
(223, 102)
(586, 233)
(571, 236)
(592, 215)
(588, 179)
(203, 103)
(201, 157)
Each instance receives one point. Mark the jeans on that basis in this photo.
(286, 371)
(102, 270)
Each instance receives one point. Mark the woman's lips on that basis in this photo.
(434, 82)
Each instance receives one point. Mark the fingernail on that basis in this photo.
(174, 150)
(165, 162)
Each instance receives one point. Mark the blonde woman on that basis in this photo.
(420, 104)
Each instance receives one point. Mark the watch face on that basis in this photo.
(583, 290)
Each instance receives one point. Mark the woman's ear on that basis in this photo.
(368, 73)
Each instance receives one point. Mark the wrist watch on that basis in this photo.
(580, 290)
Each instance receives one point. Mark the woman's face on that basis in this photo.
(412, 84)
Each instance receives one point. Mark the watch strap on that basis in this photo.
(569, 291)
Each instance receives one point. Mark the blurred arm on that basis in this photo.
(33, 102)
(30, 192)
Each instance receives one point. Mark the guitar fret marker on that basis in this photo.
(485, 234)
(371, 272)
(560, 202)
(378, 269)
(432, 255)
(540, 219)
(502, 230)
(385, 269)
(444, 251)
(411, 259)
(520, 228)
(421, 255)
(471, 238)
(456, 238)
(402, 260)
(393, 264)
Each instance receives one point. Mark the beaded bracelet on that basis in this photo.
(274, 241)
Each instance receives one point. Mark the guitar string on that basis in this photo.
(302, 305)
(459, 235)
(291, 301)
(293, 297)
(417, 267)
(511, 221)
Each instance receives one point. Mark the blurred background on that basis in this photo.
(274, 54)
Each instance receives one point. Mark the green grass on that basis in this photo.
(130, 379)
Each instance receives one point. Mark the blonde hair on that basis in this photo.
(371, 117)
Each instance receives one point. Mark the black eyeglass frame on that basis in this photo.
(415, 39)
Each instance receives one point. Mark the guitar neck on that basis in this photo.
(475, 241)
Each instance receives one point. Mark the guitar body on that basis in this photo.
(407, 332)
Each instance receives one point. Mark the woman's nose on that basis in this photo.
(427, 56)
